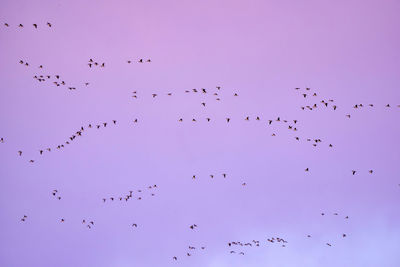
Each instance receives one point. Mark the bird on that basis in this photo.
(371, 171)
(20, 152)
(307, 169)
(328, 244)
(354, 172)
(35, 25)
(49, 24)
(20, 25)
(175, 258)
(344, 235)
(6, 24)
(224, 174)
(134, 225)
(228, 119)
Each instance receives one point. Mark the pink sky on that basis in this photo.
(347, 51)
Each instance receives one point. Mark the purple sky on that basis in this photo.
(347, 51)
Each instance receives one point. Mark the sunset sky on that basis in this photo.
(345, 51)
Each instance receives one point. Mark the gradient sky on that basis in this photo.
(347, 51)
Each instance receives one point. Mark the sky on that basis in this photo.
(344, 51)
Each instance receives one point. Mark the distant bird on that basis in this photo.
(328, 244)
(344, 235)
(224, 174)
(204, 104)
(49, 24)
(235, 94)
(62, 220)
(6, 24)
(353, 172)
(20, 152)
(307, 169)
(35, 25)
(371, 171)
(228, 119)
(140, 60)
(175, 258)
(20, 25)
(208, 119)
(148, 60)
(134, 225)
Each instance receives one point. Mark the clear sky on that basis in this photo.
(345, 51)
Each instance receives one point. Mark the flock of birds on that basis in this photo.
(235, 247)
